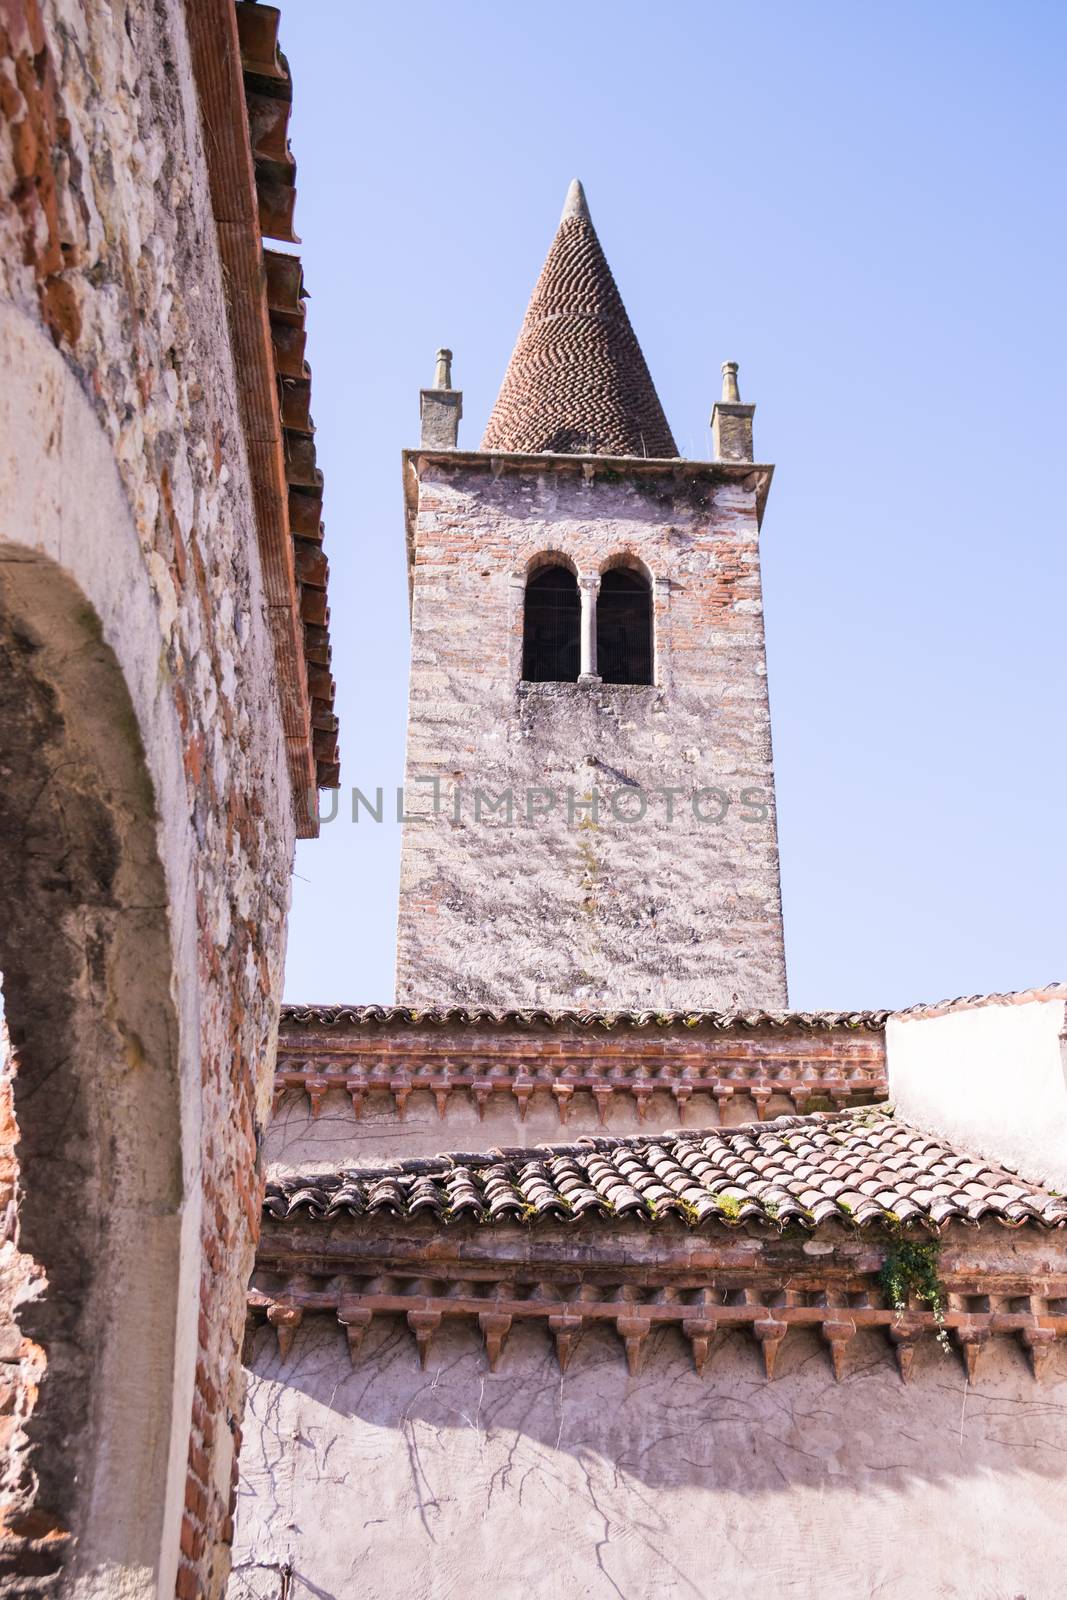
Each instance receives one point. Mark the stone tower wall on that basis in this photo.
(557, 906)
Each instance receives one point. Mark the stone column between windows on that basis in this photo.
(588, 589)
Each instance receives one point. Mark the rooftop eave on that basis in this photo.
(252, 194)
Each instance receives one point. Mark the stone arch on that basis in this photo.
(630, 562)
(99, 967)
(549, 558)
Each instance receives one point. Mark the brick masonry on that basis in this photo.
(592, 910)
(109, 266)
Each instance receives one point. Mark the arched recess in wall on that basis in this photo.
(92, 1000)
(551, 625)
(624, 624)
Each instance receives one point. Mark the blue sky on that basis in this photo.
(864, 207)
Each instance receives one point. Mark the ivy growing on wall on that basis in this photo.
(910, 1271)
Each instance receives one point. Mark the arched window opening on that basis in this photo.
(624, 627)
(551, 627)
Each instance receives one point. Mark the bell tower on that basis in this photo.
(589, 791)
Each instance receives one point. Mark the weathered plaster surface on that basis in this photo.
(992, 1078)
(588, 910)
(295, 1138)
(123, 472)
(386, 1480)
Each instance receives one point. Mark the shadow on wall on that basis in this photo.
(454, 1475)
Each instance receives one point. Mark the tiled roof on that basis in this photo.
(857, 1167)
(973, 1002)
(451, 1016)
(796, 1021)
(577, 383)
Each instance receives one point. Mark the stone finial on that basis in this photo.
(575, 204)
(731, 422)
(442, 377)
(441, 407)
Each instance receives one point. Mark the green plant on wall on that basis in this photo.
(910, 1269)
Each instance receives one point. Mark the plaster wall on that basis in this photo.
(385, 1480)
(557, 905)
(989, 1077)
(123, 472)
(298, 1139)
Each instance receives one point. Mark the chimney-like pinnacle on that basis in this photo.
(575, 204)
(441, 407)
(731, 422)
(442, 378)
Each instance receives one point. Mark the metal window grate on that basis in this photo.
(624, 628)
(551, 650)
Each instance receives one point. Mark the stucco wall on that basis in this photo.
(387, 1481)
(298, 1139)
(123, 465)
(590, 911)
(989, 1076)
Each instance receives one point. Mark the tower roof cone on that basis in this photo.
(577, 383)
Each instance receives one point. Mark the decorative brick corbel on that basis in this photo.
(355, 1319)
(699, 1331)
(1038, 1344)
(316, 1088)
(602, 1093)
(400, 1089)
(633, 1331)
(482, 1093)
(523, 1093)
(423, 1324)
(285, 1320)
(904, 1335)
(770, 1333)
(682, 1093)
(566, 1327)
(971, 1342)
(642, 1093)
(838, 1333)
(563, 1093)
(495, 1326)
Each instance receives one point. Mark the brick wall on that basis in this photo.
(114, 332)
(595, 911)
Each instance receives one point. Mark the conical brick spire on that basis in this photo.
(577, 383)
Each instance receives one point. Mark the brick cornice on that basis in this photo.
(814, 1070)
(638, 1280)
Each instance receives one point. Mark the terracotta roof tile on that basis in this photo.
(450, 1016)
(804, 1170)
(577, 383)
